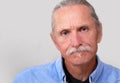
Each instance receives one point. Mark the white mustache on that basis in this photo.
(80, 49)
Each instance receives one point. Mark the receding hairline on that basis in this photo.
(66, 3)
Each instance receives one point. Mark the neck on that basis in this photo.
(81, 72)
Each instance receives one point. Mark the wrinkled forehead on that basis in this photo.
(72, 16)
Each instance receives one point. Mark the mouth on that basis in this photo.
(79, 54)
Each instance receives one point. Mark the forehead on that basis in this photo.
(73, 15)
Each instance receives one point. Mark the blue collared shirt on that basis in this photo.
(54, 73)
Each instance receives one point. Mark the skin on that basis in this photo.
(73, 27)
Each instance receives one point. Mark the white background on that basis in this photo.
(24, 34)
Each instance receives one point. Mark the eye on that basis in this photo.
(84, 29)
(64, 32)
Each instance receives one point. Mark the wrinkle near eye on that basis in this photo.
(83, 29)
(64, 32)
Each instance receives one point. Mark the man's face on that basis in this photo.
(75, 27)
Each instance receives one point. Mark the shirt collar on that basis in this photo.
(59, 67)
(97, 72)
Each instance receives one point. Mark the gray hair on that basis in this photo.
(64, 3)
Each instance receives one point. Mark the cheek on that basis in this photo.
(63, 45)
(93, 42)
(93, 37)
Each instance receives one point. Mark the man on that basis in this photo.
(76, 32)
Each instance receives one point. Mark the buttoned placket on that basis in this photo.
(91, 80)
(64, 79)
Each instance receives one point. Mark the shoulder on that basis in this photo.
(106, 70)
(37, 74)
(111, 69)
(112, 73)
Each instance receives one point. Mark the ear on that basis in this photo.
(99, 33)
(54, 40)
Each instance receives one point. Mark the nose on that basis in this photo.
(75, 40)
